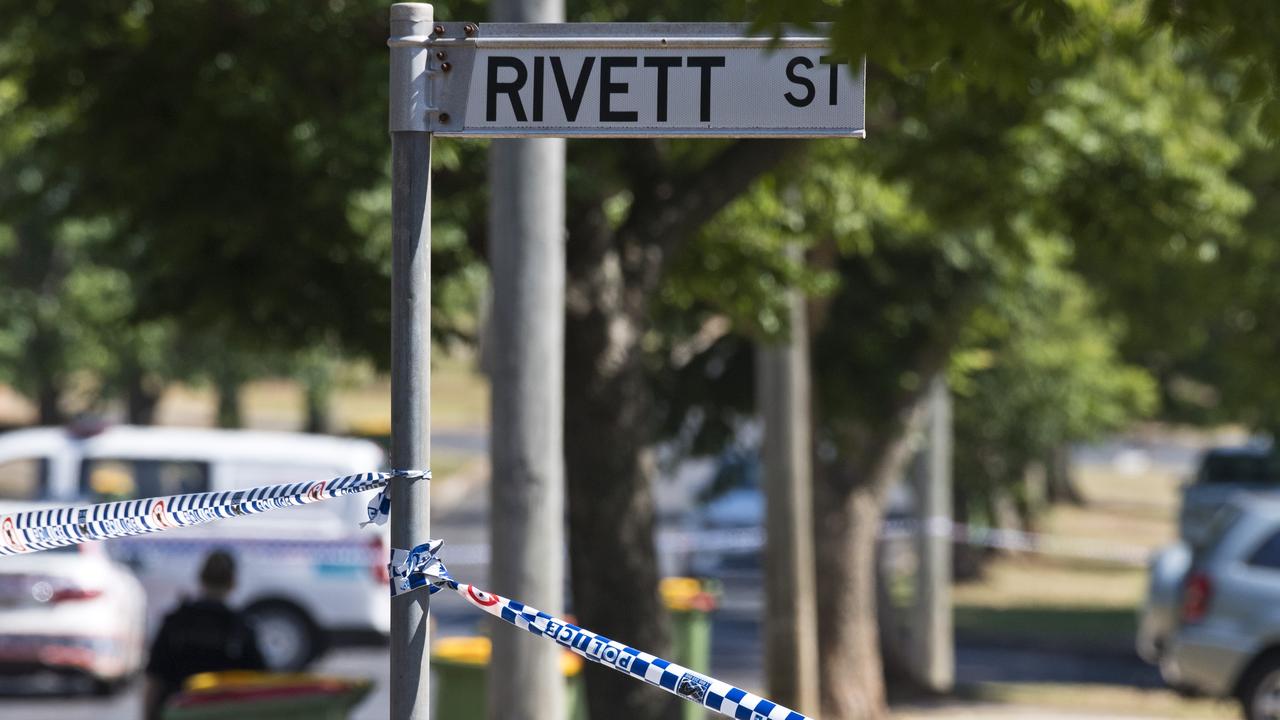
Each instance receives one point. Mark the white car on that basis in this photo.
(74, 613)
(308, 576)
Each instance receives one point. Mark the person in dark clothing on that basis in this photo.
(201, 635)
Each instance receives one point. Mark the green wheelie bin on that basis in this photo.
(691, 602)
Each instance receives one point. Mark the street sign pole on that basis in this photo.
(410, 344)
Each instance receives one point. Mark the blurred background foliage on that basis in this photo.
(186, 176)
(191, 175)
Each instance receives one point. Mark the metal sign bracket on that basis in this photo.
(429, 75)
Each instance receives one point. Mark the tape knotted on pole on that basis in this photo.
(421, 567)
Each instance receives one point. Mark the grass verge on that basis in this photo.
(1107, 700)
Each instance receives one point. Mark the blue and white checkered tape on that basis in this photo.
(36, 530)
(379, 510)
(418, 568)
(421, 567)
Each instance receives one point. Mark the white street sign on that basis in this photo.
(634, 80)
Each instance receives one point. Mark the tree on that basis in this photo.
(631, 206)
(230, 152)
(1035, 367)
(995, 172)
(615, 265)
(911, 270)
(236, 178)
(925, 223)
(34, 345)
(1212, 356)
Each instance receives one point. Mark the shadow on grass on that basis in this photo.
(1075, 629)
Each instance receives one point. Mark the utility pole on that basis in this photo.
(410, 346)
(526, 364)
(933, 635)
(791, 625)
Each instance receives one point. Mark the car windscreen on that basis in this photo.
(1240, 467)
(111, 479)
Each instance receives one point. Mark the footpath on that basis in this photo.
(981, 711)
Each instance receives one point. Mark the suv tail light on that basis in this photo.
(379, 558)
(1196, 596)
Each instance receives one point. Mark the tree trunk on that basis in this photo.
(1002, 512)
(48, 396)
(1029, 495)
(848, 524)
(1061, 483)
(45, 357)
(229, 415)
(849, 503)
(608, 471)
(141, 397)
(612, 271)
(317, 397)
(37, 267)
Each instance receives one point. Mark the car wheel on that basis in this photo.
(286, 636)
(1260, 692)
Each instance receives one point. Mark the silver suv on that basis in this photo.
(1227, 641)
(1225, 471)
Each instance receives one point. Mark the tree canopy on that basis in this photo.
(236, 153)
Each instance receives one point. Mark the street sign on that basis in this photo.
(631, 80)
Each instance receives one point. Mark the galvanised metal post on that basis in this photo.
(526, 370)
(410, 343)
(791, 618)
(933, 634)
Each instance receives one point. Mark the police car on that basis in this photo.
(308, 576)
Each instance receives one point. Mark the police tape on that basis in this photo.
(47, 529)
(421, 567)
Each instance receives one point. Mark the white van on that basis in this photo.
(307, 575)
